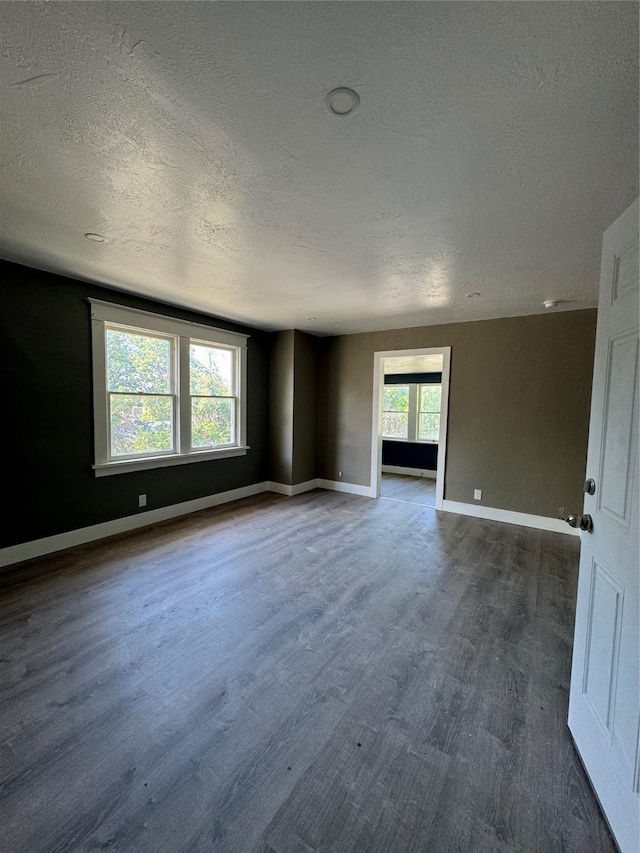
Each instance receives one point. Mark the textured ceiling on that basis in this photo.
(413, 364)
(493, 144)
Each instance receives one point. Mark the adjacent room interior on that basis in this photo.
(321, 427)
(412, 427)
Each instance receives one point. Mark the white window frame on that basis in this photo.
(182, 332)
(411, 414)
(413, 419)
(419, 411)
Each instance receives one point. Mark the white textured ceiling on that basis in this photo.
(413, 364)
(493, 145)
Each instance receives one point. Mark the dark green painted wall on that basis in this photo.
(45, 350)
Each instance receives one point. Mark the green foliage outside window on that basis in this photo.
(212, 410)
(138, 365)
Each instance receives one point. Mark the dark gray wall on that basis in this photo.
(518, 407)
(293, 407)
(45, 351)
(305, 408)
(281, 408)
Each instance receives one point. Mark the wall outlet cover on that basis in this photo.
(477, 494)
(142, 500)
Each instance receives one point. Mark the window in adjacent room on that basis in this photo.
(395, 412)
(166, 391)
(411, 412)
(429, 414)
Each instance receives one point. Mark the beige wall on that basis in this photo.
(518, 407)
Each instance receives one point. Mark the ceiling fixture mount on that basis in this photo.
(551, 303)
(342, 101)
(95, 238)
(473, 295)
(310, 318)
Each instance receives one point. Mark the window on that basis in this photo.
(140, 393)
(411, 412)
(213, 404)
(166, 391)
(395, 411)
(429, 413)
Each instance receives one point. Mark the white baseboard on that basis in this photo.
(50, 544)
(290, 491)
(349, 488)
(331, 485)
(60, 541)
(409, 472)
(541, 522)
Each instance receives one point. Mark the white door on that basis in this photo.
(604, 705)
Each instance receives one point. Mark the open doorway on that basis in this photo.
(409, 429)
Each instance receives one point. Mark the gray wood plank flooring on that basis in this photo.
(320, 673)
(413, 490)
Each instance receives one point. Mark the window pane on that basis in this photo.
(211, 371)
(395, 398)
(430, 398)
(429, 427)
(211, 421)
(138, 363)
(395, 425)
(141, 424)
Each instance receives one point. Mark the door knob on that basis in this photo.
(582, 522)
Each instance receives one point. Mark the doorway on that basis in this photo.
(409, 425)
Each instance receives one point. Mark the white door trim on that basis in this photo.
(376, 422)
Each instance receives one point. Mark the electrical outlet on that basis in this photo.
(560, 512)
(142, 500)
(477, 494)
(339, 473)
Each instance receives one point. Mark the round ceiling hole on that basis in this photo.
(473, 295)
(310, 318)
(95, 238)
(342, 101)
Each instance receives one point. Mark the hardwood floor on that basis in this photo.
(413, 490)
(284, 675)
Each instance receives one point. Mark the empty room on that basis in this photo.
(319, 335)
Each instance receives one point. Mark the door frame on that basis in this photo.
(376, 423)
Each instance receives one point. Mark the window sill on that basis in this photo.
(106, 469)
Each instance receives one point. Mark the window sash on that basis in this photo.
(172, 395)
(396, 437)
(424, 385)
(435, 415)
(146, 453)
(234, 418)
